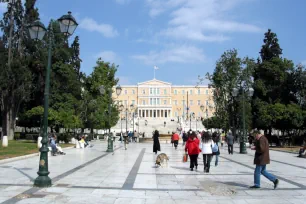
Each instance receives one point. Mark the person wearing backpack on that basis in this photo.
(216, 151)
(206, 147)
(185, 138)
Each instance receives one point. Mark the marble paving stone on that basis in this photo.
(101, 181)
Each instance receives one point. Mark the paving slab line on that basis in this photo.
(129, 182)
(33, 190)
(301, 186)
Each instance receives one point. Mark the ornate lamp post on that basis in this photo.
(249, 92)
(121, 108)
(37, 31)
(133, 108)
(110, 91)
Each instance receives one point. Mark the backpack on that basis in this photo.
(215, 148)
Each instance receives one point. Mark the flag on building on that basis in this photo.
(155, 67)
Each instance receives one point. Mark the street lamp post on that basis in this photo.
(103, 89)
(250, 92)
(202, 109)
(133, 108)
(121, 108)
(37, 31)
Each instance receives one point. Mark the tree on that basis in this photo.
(231, 72)
(15, 77)
(273, 82)
(95, 112)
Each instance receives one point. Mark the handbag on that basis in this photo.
(185, 157)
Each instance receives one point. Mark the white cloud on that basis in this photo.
(178, 54)
(122, 2)
(105, 29)
(3, 7)
(109, 56)
(200, 20)
(124, 80)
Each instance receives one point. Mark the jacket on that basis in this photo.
(192, 146)
(175, 136)
(262, 156)
(206, 147)
(230, 139)
(185, 137)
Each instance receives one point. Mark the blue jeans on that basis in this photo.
(261, 169)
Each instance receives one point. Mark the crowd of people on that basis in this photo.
(207, 144)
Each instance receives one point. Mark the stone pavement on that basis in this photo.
(129, 176)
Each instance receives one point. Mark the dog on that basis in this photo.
(161, 159)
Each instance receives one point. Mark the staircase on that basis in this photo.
(156, 124)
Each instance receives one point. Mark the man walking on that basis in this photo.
(230, 142)
(262, 158)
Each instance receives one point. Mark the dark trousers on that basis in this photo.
(230, 149)
(206, 161)
(193, 160)
(175, 143)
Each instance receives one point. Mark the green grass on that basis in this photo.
(20, 148)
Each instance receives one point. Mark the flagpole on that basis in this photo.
(154, 72)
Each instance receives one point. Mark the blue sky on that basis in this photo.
(184, 38)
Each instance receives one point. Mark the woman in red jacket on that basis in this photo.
(192, 146)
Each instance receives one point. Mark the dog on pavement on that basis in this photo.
(161, 159)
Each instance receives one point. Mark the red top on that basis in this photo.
(192, 146)
(175, 136)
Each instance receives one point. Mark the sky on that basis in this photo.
(184, 38)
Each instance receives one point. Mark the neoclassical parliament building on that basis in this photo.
(159, 99)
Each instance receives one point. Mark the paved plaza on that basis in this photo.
(129, 176)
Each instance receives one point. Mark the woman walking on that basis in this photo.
(156, 145)
(206, 147)
(192, 146)
(216, 139)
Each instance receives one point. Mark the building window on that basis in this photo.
(133, 102)
(191, 102)
(175, 102)
(165, 102)
(199, 102)
(151, 91)
(158, 101)
(154, 91)
(183, 102)
(143, 102)
(165, 91)
(143, 92)
(183, 92)
(154, 101)
(133, 91)
(199, 91)
(190, 92)
(175, 92)
(206, 92)
(151, 101)
(158, 91)
(125, 92)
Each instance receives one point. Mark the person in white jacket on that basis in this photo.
(206, 147)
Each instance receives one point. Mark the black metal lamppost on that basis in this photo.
(37, 31)
(104, 89)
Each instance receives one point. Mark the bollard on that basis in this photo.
(98, 137)
(73, 140)
(4, 141)
(39, 145)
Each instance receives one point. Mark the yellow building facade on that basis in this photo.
(159, 99)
